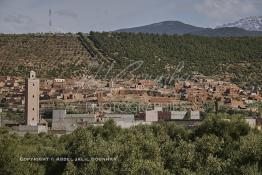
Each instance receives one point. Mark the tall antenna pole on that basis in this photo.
(50, 20)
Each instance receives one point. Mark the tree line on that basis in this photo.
(216, 146)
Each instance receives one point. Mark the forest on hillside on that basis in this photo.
(76, 55)
(215, 147)
(239, 58)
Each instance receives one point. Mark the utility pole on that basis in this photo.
(50, 20)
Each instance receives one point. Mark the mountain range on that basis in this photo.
(251, 26)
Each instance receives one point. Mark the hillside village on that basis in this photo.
(141, 100)
(195, 91)
(78, 78)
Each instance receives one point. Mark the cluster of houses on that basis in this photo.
(196, 91)
(12, 93)
(200, 91)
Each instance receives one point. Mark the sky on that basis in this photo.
(30, 16)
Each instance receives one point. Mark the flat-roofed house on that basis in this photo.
(69, 122)
(195, 115)
(151, 116)
(123, 120)
(178, 115)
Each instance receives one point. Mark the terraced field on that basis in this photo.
(50, 55)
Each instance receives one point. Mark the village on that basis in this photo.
(66, 104)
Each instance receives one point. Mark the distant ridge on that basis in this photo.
(166, 27)
(227, 32)
(179, 28)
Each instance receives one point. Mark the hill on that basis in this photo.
(227, 32)
(179, 28)
(50, 55)
(238, 57)
(166, 27)
(68, 55)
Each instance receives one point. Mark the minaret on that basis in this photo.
(32, 100)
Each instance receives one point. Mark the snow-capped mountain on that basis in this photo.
(251, 23)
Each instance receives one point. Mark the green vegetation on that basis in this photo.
(210, 108)
(215, 147)
(239, 58)
(13, 116)
(68, 55)
(89, 45)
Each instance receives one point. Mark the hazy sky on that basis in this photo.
(23, 16)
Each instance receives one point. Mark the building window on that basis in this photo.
(33, 96)
(33, 109)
